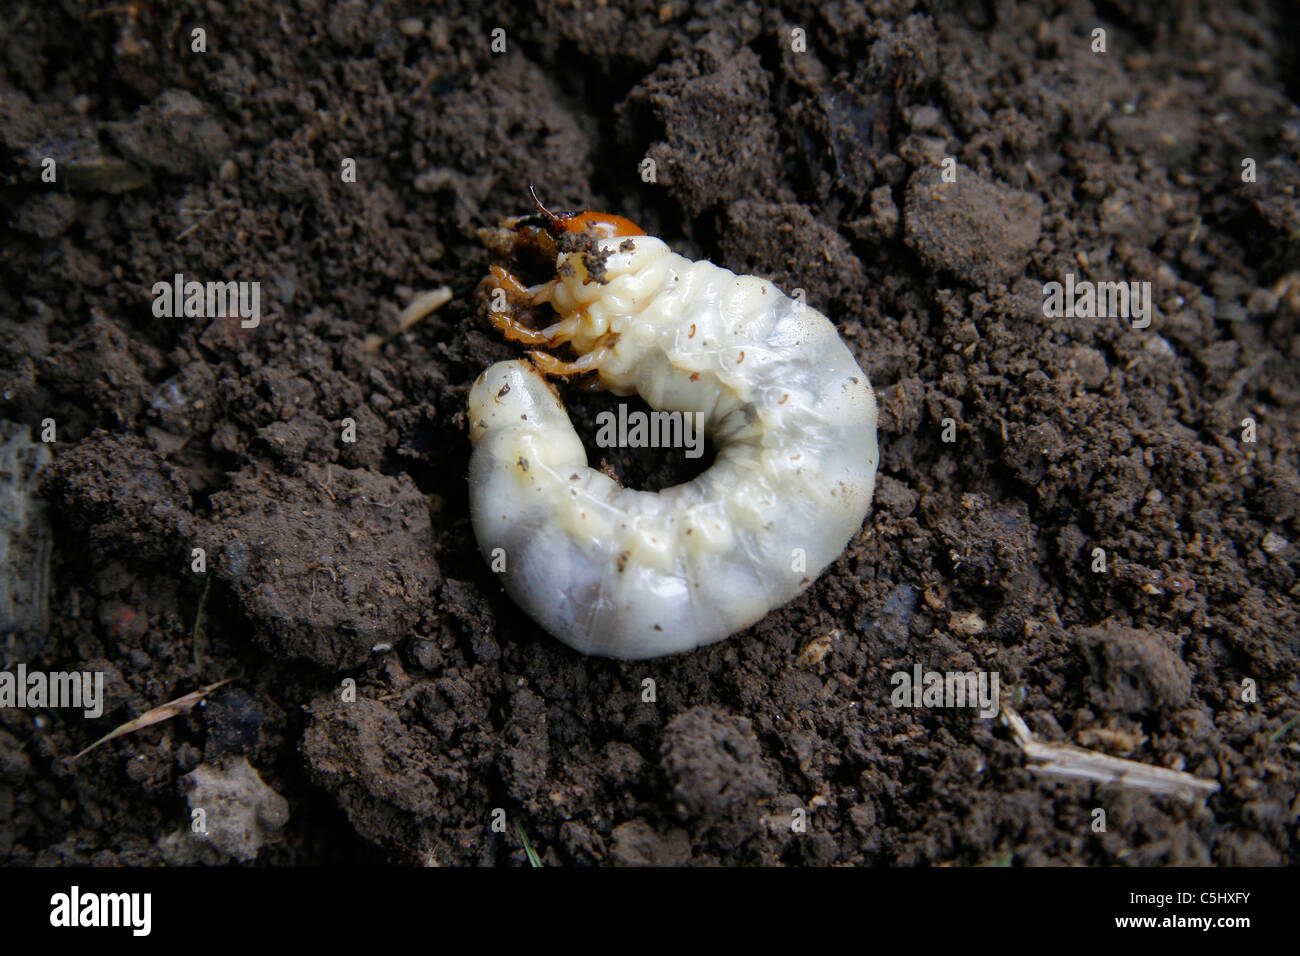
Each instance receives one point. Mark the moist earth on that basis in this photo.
(1106, 516)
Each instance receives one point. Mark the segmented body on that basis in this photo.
(632, 574)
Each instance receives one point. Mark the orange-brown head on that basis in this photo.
(606, 225)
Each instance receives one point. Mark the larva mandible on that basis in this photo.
(631, 574)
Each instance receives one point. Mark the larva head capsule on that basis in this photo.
(605, 225)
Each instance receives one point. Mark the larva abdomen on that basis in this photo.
(631, 574)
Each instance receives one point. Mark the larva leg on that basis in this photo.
(510, 282)
(552, 366)
(516, 331)
(534, 295)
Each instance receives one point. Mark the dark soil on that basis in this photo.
(330, 561)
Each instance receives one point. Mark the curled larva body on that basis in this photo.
(632, 574)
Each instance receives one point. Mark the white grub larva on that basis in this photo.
(631, 574)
